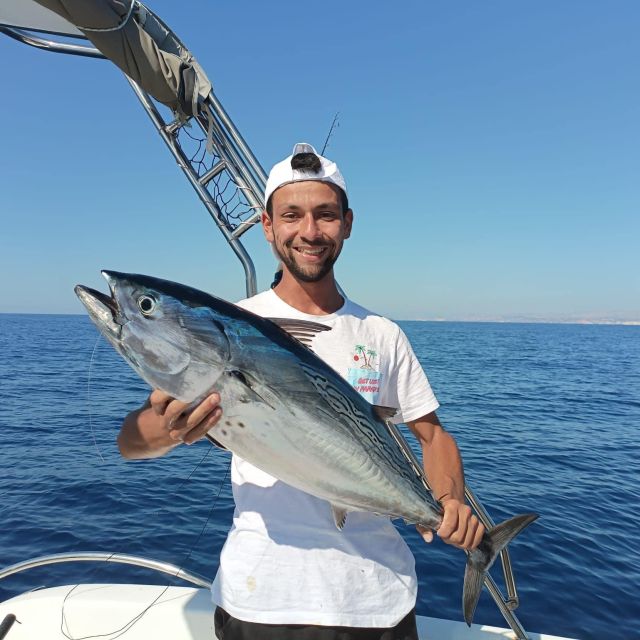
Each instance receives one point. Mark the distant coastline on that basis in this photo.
(533, 320)
(477, 319)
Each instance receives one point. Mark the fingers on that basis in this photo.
(175, 414)
(477, 538)
(188, 425)
(459, 526)
(470, 533)
(449, 521)
(159, 401)
(203, 410)
(201, 429)
(427, 534)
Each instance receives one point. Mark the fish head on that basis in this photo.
(164, 330)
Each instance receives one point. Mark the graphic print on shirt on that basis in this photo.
(364, 374)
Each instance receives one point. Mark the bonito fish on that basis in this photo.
(285, 410)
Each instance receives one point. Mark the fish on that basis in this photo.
(286, 411)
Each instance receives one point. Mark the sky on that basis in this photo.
(491, 151)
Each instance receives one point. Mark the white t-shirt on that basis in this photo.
(284, 561)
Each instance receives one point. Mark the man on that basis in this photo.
(286, 571)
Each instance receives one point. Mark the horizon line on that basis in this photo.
(494, 320)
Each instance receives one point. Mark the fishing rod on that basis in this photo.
(334, 125)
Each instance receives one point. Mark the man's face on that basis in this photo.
(308, 228)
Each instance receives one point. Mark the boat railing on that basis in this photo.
(114, 558)
(229, 181)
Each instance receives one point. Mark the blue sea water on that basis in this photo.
(547, 418)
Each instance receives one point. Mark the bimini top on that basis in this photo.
(130, 35)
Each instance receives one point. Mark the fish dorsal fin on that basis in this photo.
(384, 413)
(303, 331)
(339, 516)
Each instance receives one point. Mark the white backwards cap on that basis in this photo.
(282, 173)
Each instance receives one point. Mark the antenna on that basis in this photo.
(334, 124)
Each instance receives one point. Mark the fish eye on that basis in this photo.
(147, 304)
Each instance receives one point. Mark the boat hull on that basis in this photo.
(168, 613)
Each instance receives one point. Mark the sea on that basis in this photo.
(547, 417)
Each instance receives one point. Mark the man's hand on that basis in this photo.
(182, 424)
(459, 527)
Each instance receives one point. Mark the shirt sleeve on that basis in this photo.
(409, 385)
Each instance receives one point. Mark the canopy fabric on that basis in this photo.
(142, 46)
(28, 14)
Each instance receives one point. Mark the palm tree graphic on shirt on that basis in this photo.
(372, 353)
(362, 352)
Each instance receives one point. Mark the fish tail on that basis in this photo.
(483, 556)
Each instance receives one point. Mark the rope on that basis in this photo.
(117, 27)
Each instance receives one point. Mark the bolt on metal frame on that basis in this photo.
(236, 159)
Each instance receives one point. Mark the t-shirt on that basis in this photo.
(284, 560)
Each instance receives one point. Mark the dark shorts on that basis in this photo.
(230, 628)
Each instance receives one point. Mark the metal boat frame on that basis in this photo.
(232, 159)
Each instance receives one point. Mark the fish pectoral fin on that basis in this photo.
(384, 413)
(303, 331)
(245, 390)
(339, 515)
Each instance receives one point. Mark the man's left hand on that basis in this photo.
(459, 527)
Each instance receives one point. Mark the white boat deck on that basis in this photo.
(140, 612)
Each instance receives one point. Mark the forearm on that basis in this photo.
(443, 466)
(143, 435)
(441, 458)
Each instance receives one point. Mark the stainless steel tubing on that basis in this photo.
(117, 558)
(203, 194)
(238, 139)
(508, 614)
(212, 173)
(50, 45)
(237, 165)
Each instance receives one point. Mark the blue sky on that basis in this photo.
(491, 150)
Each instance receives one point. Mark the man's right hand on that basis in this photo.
(164, 422)
(182, 424)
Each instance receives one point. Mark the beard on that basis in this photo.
(308, 272)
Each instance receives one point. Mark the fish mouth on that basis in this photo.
(103, 309)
